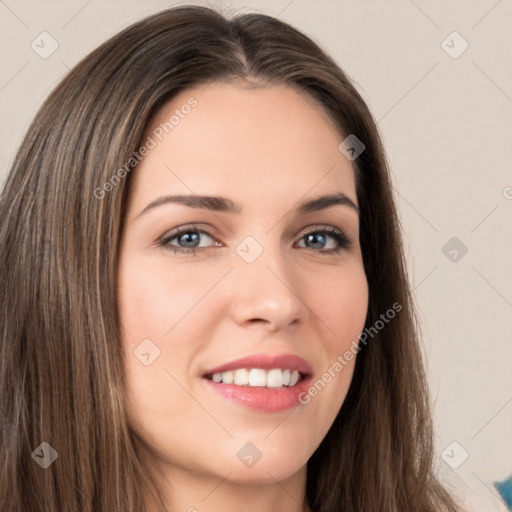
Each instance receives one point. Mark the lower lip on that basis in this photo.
(260, 398)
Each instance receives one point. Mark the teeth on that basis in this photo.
(256, 377)
(275, 378)
(227, 377)
(241, 377)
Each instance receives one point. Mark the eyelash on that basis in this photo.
(343, 241)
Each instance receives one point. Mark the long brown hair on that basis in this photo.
(61, 362)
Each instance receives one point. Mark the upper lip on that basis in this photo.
(265, 362)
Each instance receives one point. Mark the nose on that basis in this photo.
(266, 292)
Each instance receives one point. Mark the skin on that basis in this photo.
(267, 149)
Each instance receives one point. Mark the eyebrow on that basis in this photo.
(223, 204)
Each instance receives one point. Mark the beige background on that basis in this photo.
(447, 127)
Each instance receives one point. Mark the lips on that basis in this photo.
(268, 383)
(265, 362)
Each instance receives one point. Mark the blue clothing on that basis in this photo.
(505, 490)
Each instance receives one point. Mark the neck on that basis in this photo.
(188, 492)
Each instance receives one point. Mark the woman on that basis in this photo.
(205, 301)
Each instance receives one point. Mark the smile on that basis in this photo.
(267, 383)
(258, 377)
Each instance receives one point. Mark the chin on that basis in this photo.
(268, 472)
(263, 461)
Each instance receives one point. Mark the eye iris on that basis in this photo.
(315, 237)
(190, 237)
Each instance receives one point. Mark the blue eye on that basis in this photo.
(189, 240)
(321, 237)
(189, 237)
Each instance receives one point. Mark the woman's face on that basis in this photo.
(253, 276)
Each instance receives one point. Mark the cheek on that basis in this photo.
(155, 310)
(156, 297)
(343, 306)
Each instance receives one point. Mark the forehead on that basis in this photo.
(269, 142)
